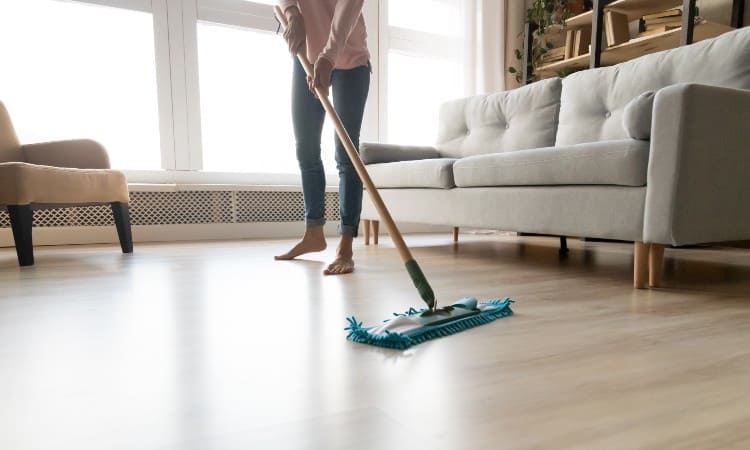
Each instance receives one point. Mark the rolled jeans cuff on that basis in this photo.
(315, 222)
(348, 230)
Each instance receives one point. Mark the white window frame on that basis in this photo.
(424, 44)
(178, 87)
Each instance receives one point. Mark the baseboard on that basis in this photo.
(182, 212)
(185, 232)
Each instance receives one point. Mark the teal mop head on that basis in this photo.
(416, 326)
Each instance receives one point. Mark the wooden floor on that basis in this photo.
(215, 346)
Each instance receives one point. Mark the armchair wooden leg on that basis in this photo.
(21, 218)
(655, 260)
(375, 231)
(366, 226)
(455, 234)
(640, 264)
(121, 212)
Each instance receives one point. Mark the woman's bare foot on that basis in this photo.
(312, 241)
(344, 262)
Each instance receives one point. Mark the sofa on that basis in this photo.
(655, 151)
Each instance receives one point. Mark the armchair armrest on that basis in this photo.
(372, 153)
(698, 181)
(78, 153)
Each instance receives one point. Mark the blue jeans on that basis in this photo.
(349, 89)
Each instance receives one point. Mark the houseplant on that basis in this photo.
(545, 16)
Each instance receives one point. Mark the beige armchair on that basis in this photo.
(56, 175)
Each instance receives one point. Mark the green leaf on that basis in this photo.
(512, 70)
(550, 45)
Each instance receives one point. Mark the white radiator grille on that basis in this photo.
(188, 207)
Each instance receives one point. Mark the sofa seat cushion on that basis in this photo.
(424, 173)
(23, 184)
(620, 163)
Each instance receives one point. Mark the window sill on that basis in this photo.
(214, 180)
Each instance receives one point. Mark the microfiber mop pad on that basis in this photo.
(419, 325)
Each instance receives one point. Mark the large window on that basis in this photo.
(245, 92)
(244, 86)
(417, 86)
(202, 88)
(423, 59)
(440, 17)
(72, 70)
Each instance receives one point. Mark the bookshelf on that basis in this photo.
(638, 46)
(634, 48)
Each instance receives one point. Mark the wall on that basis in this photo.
(721, 10)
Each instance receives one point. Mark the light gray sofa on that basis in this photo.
(583, 157)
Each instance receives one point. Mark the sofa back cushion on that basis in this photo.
(10, 149)
(593, 101)
(500, 122)
(637, 115)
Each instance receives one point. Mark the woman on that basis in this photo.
(332, 32)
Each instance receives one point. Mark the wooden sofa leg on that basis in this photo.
(375, 231)
(21, 218)
(655, 260)
(640, 264)
(121, 212)
(366, 226)
(455, 234)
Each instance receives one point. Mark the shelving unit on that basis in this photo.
(635, 9)
(635, 47)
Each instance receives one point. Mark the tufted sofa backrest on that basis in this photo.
(593, 101)
(500, 122)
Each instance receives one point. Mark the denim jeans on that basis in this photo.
(349, 89)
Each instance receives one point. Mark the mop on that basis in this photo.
(415, 325)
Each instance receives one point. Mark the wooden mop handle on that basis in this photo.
(385, 216)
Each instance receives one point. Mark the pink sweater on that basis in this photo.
(335, 31)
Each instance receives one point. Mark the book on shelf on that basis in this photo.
(663, 24)
(581, 41)
(617, 28)
(553, 55)
(663, 20)
(656, 29)
(668, 13)
(569, 38)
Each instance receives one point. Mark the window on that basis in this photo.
(444, 16)
(245, 102)
(76, 70)
(424, 66)
(417, 86)
(245, 95)
(201, 88)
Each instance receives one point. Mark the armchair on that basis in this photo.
(57, 174)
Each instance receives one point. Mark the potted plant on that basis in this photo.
(544, 16)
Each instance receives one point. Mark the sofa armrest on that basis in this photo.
(372, 153)
(698, 181)
(77, 153)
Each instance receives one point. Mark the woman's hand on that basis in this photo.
(295, 33)
(321, 75)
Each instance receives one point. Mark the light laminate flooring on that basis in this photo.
(214, 345)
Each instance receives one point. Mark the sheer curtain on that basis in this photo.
(496, 27)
